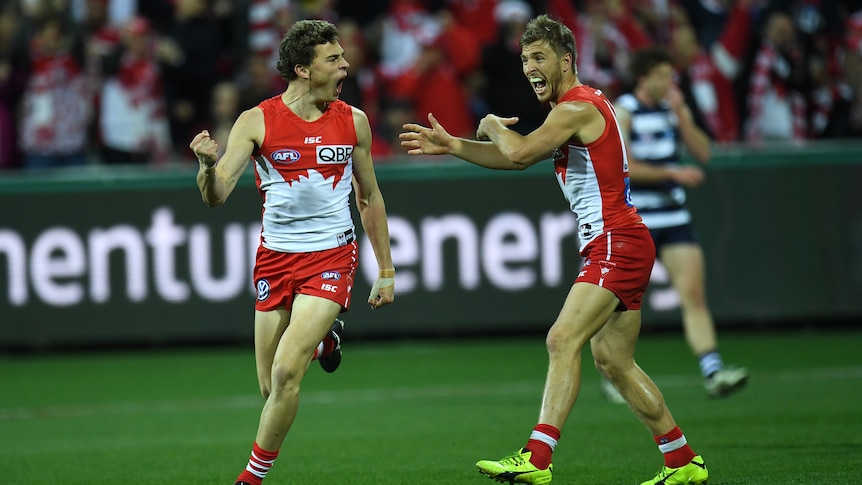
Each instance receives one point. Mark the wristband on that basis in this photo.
(386, 273)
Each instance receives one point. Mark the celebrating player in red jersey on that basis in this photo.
(309, 150)
(603, 305)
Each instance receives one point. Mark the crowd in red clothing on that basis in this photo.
(130, 81)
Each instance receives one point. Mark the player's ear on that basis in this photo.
(301, 71)
(567, 62)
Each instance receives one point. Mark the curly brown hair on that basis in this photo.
(297, 46)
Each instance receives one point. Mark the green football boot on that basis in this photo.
(516, 468)
(694, 472)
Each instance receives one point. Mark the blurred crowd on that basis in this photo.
(130, 81)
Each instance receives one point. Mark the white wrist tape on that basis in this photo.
(380, 283)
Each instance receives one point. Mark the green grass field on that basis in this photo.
(424, 413)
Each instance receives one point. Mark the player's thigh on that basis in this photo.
(585, 311)
(685, 265)
(311, 317)
(269, 327)
(614, 345)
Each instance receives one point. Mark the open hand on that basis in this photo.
(421, 140)
(689, 176)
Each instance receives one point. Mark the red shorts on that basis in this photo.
(620, 260)
(279, 276)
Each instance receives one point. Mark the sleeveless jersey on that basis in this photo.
(654, 140)
(595, 177)
(303, 171)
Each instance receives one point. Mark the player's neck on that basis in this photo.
(298, 99)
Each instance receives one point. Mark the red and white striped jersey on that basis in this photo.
(595, 177)
(304, 171)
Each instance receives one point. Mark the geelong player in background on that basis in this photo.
(310, 151)
(657, 123)
(603, 305)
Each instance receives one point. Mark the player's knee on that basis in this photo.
(562, 339)
(285, 378)
(693, 296)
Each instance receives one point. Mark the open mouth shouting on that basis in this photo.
(539, 85)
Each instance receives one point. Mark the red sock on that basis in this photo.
(258, 465)
(542, 442)
(675, 448)
(324, 348)
(328, 345)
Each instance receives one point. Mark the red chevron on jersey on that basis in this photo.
(304, 169)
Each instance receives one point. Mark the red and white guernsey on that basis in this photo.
(595, 177)
(303, 171)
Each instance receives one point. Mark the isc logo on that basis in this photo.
(311, 140)
(334, 154)
(285, 155)
(329, 287)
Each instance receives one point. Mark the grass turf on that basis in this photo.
(424, 413)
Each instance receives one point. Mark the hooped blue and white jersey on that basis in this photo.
(654, 139)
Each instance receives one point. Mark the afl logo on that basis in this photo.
(285, 155)
(331, 275)
(262, 290)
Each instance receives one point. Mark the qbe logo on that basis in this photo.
(334, 154)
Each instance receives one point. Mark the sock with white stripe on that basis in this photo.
(675, 448)
(258, 465)
(710, 363)
(541, 445)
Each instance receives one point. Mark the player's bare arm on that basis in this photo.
(372, 212)
(422, 140)
(695, 140)
(640, 172)
(580, 122)
(217, 177)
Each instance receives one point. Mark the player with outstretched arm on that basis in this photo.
(582, 137)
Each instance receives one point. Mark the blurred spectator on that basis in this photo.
(257, 82)
(823, 37)
(361, 86)
(115, 12)
(267, 20)
(425, 60)
(478, 16)
(505, 89)
(776, 104)
(225, 109)
(606, 33)
(57, 100)
(133, 124)
(659, 18)
(707, 74)
(853, 68)
(394, 113)
(189, 52)
(707, 18)
(13, 76)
